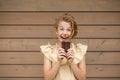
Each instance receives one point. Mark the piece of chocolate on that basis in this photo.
(66, 46)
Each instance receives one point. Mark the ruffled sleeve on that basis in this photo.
(80, 51)
(46, 50)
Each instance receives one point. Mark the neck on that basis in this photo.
(58, 44)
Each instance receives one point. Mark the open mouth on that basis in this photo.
(64, 37)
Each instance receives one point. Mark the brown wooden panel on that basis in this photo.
(49, 18)
(49, 32)
(103, 58)
(43, 78)
(21, 71)
(21, 58)
(33, 44)
(37, 58)
(103, 78)
(37, 71)
(59, 5)
(103, 70)
(21, 78)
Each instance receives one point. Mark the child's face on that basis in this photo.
(64, 31)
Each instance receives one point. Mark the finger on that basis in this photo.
(60, 49)
(61, 57)
(71, 49)
(70, 55)
(62, 54)
(70, 52)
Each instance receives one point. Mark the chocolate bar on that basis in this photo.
(66, 46)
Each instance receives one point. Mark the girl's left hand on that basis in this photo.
(70, 55)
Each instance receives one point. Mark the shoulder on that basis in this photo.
(47, 48)
(80, 51)
(81, 47)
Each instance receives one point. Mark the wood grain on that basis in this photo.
(37, 71)
(43, 78)
(32, 58)
(24, 78)
(49, 32)
(103, 70)
(21, 71)
(59, 5)
(49, 18)
(33, 44)
(27, 24)
(103, 78)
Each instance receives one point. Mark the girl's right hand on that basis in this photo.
(61, 54)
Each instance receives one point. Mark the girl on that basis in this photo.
(61, 63)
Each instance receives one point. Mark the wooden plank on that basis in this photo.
(49, 18)
(103, 70)
(59, 5)
(33, 58)
(21, 71)
(49, 32)
(21, 58)
(33, 44)
(103, 78)
(103, 58)
(43, 78)
(37, 71)
(21, 78)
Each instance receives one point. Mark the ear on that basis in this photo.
(56, 32)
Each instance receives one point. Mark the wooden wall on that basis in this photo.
(27, 24)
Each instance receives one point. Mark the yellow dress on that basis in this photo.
(64, 72)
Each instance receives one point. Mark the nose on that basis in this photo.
(65, 32)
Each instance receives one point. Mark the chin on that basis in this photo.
(64, 40)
